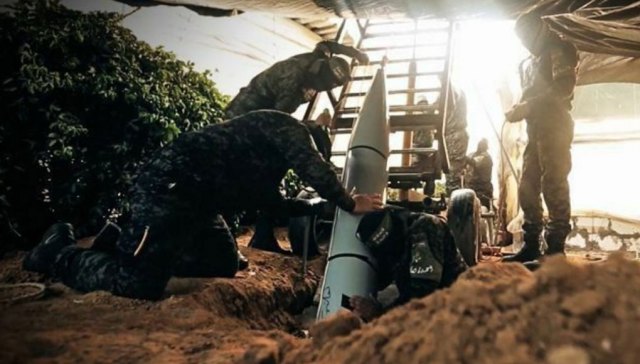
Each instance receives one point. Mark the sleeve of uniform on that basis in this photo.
(327, 47)
(294, 141)
(564, 64)
(286, 88)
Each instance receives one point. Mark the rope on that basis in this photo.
(34, 291)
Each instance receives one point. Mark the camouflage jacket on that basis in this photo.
(548, 81)
(430, 261)
(481, 168)
(238, 165)
(284, 86)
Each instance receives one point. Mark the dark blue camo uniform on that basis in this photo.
(419, 256)
(181, 194)
(548, 83)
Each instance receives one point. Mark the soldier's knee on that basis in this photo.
(144, 286)
(229, 270)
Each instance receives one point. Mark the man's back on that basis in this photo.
(238, 164)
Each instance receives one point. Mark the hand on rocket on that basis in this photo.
(367, 308)
(366, 203)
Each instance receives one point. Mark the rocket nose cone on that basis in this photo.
(371, 128)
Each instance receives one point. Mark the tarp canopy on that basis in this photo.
(609, 28)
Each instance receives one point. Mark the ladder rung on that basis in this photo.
(395, 108)
(404, 173)
(410, 170)
(414, 151)
(395, 92)
(404, 32)
(418, 59)
(420, 151)
(397, 75)
(375, 49)
(396, 123)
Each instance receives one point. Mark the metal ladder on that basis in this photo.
(416, 55)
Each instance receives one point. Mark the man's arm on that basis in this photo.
(564, 63)
(328, 47)
(564, 66)
(294, 141)
(286, 87)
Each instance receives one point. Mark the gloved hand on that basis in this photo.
(362, 58)
(367, 308)
(518, 112)
(305, 207)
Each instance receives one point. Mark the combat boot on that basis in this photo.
(530, 251)
(243, 262)
(41, 258)
(555, 245)
(264, 239)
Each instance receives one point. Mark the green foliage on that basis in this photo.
(292, 184)
(83, 104)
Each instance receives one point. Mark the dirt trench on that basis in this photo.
(496, 313)
(200, 320)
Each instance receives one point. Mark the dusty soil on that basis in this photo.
(497, 313)
(201, 320)
(577, 311)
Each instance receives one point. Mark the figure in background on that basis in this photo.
(479, 176)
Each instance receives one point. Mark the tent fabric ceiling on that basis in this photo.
(606, 27)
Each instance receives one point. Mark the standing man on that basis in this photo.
(548, 84)
(176, 227)
(290, 83)
(479, 179)
(456, 138)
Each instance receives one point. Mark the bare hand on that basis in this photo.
(518, 112)
(367, 203)
(367, 308)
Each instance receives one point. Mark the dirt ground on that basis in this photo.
(567, 312)
(201, 320)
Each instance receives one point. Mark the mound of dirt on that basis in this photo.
(200, 320)
(496, 313)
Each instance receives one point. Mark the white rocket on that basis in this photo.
(351, 270)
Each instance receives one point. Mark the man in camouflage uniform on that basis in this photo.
(176, 226)
(284, 87)
(290, 83)
(479, 178)
(416, 251)
(548, 85)
(456, 138)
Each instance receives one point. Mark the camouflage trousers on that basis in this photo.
(457, 144)
(149, 251)
(546, 167)
(484, 191)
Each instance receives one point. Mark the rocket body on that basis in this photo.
(351, 270)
